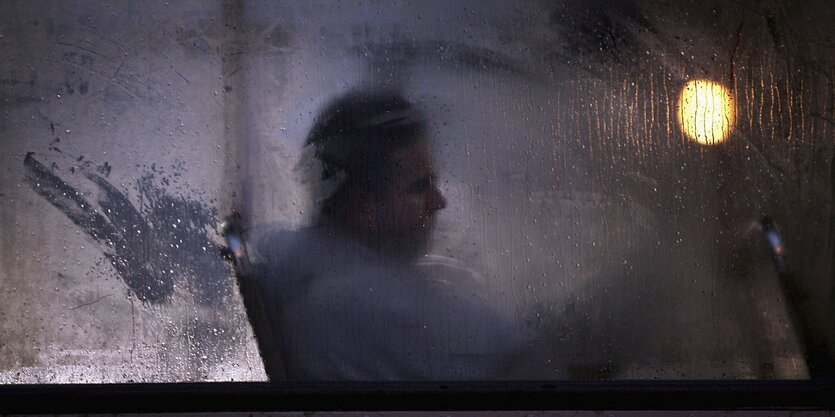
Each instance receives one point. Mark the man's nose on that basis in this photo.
(437, 201)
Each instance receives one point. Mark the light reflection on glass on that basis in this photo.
(706, 112)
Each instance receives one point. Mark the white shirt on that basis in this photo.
(341, 312)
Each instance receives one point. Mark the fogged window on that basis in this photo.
(416, 191)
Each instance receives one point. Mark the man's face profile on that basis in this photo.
(400, 215)
(411, 196)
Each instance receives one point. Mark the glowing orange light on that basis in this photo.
(706, 112)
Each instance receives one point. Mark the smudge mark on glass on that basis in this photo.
(152, 247)
(451, 53)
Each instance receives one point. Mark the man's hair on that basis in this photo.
(353, 139)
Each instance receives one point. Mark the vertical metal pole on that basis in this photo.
(237, 165)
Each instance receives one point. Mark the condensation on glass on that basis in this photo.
(644, 187)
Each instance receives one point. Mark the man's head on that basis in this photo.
(374, 146)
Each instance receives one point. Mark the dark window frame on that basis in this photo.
(435, 396)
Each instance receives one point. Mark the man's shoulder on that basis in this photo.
(278, 241)
(311, 255)
(264, 237)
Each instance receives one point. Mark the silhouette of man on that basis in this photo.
(349, 298)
